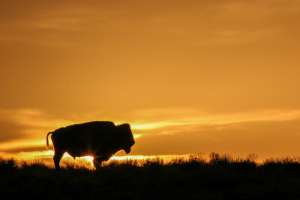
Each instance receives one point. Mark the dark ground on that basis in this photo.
(219, 178)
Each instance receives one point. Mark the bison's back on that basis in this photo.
(81, 138)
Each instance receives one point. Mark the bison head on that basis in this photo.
(127, 137)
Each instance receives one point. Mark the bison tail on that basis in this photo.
(47, 140)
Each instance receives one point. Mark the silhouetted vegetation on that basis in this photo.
(221, 177)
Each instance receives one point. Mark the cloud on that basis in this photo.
(10, 130)
(154, 119)
(25, 124)
(8, 148)
(265, 138)
(266, 133)
(170, 131)
(217, 22)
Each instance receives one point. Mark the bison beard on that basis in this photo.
(100, 139)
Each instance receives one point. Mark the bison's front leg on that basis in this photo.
(97, 162)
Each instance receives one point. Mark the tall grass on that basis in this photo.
(219, 177)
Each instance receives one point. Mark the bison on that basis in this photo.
(100, 139)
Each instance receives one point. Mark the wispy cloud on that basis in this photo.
(28, 124)
(161, 118)
(172, 130)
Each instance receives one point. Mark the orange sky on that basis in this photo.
(190, 76)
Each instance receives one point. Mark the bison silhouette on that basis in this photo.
(100, 139)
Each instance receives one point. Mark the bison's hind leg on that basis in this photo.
(56, 158)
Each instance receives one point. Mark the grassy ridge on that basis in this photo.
(219, 178)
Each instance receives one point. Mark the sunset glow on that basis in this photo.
(188, 76)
